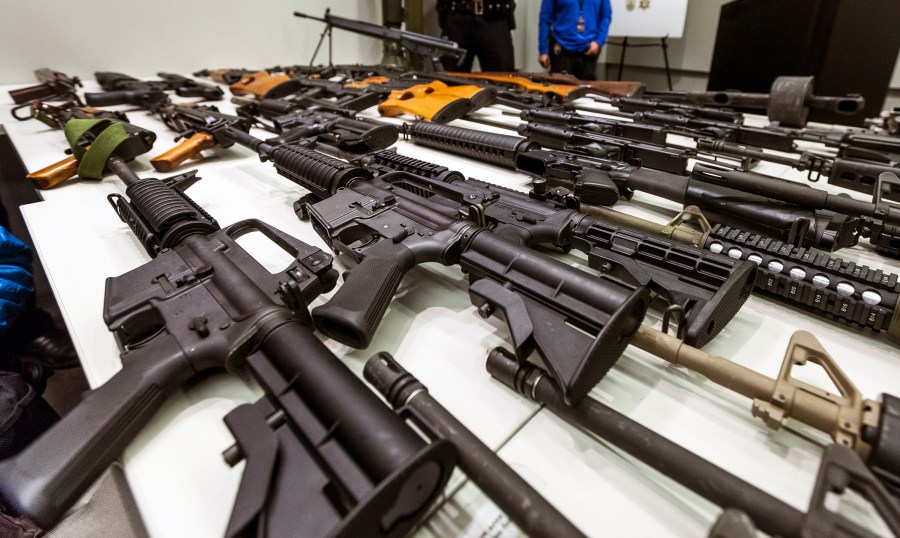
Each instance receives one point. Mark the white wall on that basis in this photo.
(141, 38)
(182, 36)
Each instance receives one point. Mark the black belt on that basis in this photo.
(482, 8)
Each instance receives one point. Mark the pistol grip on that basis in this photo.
(188, 149)
(45, 479)
(356, 309)
(56, 173)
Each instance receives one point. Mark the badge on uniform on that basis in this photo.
(579, 24)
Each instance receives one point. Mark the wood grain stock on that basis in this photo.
(56, 173)
(186, 150)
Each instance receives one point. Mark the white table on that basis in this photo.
(184, 488)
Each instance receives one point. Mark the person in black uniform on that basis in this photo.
(482, 27)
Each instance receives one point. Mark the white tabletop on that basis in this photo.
(184, 488)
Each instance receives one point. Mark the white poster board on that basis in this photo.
(648, 18)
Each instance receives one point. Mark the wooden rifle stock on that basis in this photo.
(435, 101)
(51, 176)
(561, 92)
(364, 83)
(606, 88)
(257, 84)
(187, 149)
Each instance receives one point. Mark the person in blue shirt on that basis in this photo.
(571, 34)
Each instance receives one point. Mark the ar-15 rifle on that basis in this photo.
(840, 470)
(879, 220)
(206, 128)
(114, 136)
(122, 89)
(703, 290)
(855, 166)
(432, 48)
(327, 455)
(808, 279)
(803, 277)
(788, 102)
(389, 230)
(595, 180)
(54, 85)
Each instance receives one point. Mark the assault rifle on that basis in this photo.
(840, 470)
(431, 48)
(703, 290)
(311, 94)
(788, 102)
(858, 161)
(125, 140)
(205, 127)
(345, 464)
(53, 86)
(803, 277)
(196, 124)
(389, 230)
(601, 181)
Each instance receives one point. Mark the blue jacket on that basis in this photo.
(16, 285)
(561, 17)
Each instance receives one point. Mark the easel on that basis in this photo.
(663, 43)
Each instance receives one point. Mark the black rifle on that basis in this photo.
(858, 161)
(325, 456)
(811, 280)
(585, 320)
(122, 89)
(133, 141)
(703, 289)
(879, 219)
(311, 94)
(841, 468)
(637, 104)
(788, 102)
(601, 181)
(205, 127)
(432, 48)
(54, 86)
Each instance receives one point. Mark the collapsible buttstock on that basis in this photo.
(188, 149)
(56, 173)
(257, 84)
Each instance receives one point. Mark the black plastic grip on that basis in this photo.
(816, 282)
(356, 309)
(492, 148)
(59, 466)
(318, 173)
